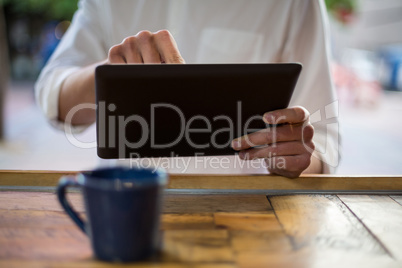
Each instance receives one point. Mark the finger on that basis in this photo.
(291, 115)
(147, 48)
(150, 55)
(278, 149)
(276, 134)
(115, 55)
(167, 47)
(130, 50)
(288, 166)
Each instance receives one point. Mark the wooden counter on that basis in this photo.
(220, 221)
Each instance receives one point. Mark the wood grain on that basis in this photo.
(32, 177)
(217, 230)
(383, 216)
(197, 246)
(92, 263)
(38, 201)
(240, 182)
(202, 203)
(34, 219)
(324, 224)
(271, 182)
(262, 248)
(247, 221)
(55, 243)
(44, 219)
(34, 227)
(173, 203)
(190, 221)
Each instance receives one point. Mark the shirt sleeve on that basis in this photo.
(82, 45)
(307, 42)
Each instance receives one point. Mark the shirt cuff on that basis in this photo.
(328, 151)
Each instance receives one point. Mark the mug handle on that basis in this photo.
(64, 183)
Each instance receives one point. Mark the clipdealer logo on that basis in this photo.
(108, 122)
(324, 117)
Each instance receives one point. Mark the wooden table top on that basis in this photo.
(261, 223)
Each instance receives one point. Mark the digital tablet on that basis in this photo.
(167, 110)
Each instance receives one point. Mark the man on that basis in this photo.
(226, 31)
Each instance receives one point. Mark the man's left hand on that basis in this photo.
(286, 147)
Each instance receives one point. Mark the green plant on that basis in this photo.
(49, 9)
(342, 10)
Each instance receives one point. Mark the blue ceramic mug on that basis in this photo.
(123, 207)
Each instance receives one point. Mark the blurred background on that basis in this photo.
(366, 44)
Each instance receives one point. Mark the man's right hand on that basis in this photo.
(146, 47)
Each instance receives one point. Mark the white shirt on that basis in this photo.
(210, 31)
